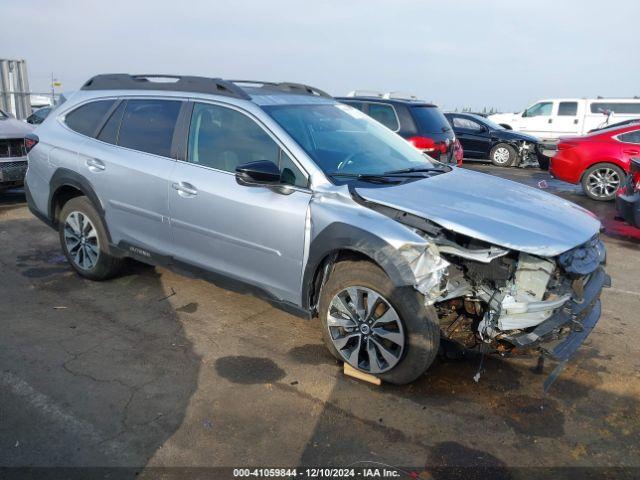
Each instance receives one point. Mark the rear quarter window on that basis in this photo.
(87, 118)
(430, 119)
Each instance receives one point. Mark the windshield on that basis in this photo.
(431, 120)
(341, 139)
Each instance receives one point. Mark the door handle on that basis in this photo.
(185, 189)
(575, 121)
(632, 152)
(550, 120)
(95, 165)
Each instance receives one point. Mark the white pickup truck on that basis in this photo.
(557, 117)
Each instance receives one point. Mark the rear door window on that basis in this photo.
(109, 132)
(567, 109)
(430, 119)
(148, 125)
(87, 118)
(385, 114)
(466, 124)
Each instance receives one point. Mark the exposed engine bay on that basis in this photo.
(490, 296)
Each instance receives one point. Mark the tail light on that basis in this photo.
(30, 141)
(458, 151)
(428, 145)
(423, 143)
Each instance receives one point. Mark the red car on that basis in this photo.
(599, 160)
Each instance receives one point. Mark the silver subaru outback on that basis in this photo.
(320, 208)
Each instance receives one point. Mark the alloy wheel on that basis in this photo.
(365, 329)
(81, 240)
(501, 155)
(603, 182)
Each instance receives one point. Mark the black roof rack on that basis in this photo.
(285, 87)
(180, 83)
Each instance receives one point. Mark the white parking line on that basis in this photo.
(47, 406)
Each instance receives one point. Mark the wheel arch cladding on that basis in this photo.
(339, 238)
(63, 184)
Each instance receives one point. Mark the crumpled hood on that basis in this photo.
(492, 209)
(12, 128)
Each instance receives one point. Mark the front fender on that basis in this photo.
(338, 223)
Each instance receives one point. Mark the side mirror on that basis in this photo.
(262, 172)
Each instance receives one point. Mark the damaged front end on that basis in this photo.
(494, 299)
(527, 154)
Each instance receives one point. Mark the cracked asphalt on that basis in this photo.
(158, 369)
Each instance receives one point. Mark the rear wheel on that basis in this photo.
(601, 181)
(502, 155)
(376, 327)
(84, 240)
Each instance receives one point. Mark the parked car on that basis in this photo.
(485, 140)
(13, 155)
(417, 121)
(38, 116)
(628, 196)
(598, 161)
(325, 210)
(557, 117)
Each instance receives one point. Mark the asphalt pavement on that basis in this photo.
(155, 369)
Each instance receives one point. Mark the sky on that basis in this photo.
(504, 54)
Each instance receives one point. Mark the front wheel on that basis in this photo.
(502, 155)
(601, 182)
(376, 327)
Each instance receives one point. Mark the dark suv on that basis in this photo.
(421, 123)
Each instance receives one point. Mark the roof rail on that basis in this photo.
(179, 83)
(364, 93)
(284, 86)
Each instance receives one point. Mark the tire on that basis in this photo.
(543, 161)
(502, 155)
(79, 221)
(601, 181)
(416, 324)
